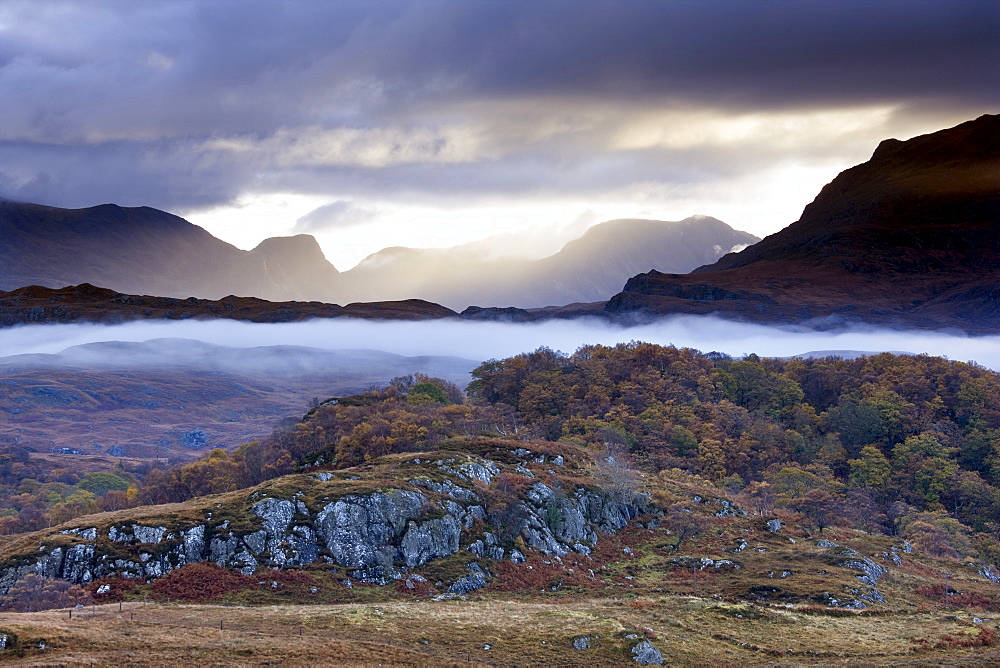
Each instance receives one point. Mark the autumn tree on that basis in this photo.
(34, 593)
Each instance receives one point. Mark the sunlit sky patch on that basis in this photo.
(416, 123)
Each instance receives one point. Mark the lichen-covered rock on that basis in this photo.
(361, 531)
(90, 533)
(148, 535)
(194, 544)
(476, 579)
(872, 571)
(645, 654)
(581, 643)
(432, 539)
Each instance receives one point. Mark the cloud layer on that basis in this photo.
(186, 105)
(482, 341)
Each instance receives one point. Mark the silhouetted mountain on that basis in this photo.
(146, 251)
(87, 303)
(588, 269)
(909, 238)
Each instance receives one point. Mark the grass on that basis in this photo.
(689, 631)
(634, 585)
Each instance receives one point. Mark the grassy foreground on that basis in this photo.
(688, 631)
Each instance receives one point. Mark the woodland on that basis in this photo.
(900, 445)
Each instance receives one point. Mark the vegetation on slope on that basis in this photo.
(899, 445)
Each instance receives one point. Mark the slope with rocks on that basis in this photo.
(494, 518)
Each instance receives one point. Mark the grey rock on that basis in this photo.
(469, 583)
(256, 541)
(774, 525)
(872, 571)
(446, 487)
(89, 533)
(432, 539)
(194, 544)
(826, 543)
(988, 573)
(221, 550)
(275, 514)
(76, 565)
(148, 535)
(581, 643)
(729, 509)
(644, 653)
(303, 547)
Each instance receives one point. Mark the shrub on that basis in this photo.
(201, 582)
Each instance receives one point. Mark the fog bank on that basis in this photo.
(485, 340)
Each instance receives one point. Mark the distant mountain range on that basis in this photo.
(910, 238)
(588, 269)
(143, 251)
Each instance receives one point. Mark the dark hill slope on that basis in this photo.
(87, 303)
(909, 238)
(141, 250)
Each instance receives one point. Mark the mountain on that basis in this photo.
(142, 250)
(588, 269)
(910, 238)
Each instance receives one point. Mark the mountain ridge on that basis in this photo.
(141, 250)
(907, 239)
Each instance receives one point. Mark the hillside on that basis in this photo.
(147, 251)
(88, 303)
(908, 239)
(595, 577)
(588, 269)
(763, 506)
(174, 399)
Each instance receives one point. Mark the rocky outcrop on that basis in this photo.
(375, 536)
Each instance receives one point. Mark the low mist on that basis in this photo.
(481, 341)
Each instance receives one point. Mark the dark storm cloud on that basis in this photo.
(187, 104)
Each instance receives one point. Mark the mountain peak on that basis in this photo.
(297, 248)
(910, 237)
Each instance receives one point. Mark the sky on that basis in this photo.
(428, 124)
